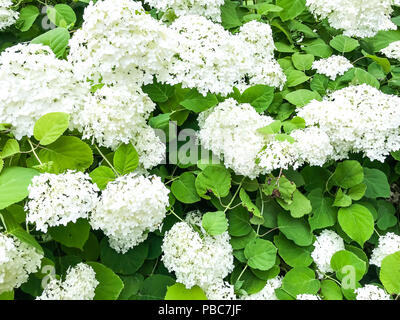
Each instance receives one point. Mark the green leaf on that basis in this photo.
(383, 39)
(390, 273)
(248, 204)
(272, 128)
(377, 184)
(291, 8)
(361, 76)
(294, 229)
(155, 287)
(27, 17)
(126, 159)
(302, 62)
(302, 97)
(10, 148)
(9, 295)
(330, 290)
(14, 182)
(184, 188)
(158, 92)
(72, 235)
(179, 292)
(127, 263)
(214, 223)
(342, 199)
(259, 96)
(260, 254)
(110, 285)
(344, 44)
(102, 176)
(323, 214)
(294, 124)
(50, 127)
(358, 223)
(62, 15)
(196, 102)
(56, 39)
(215, 179)
(300, 280)
(230, 15)
(348, 174)
(295, 77)
(239, 222)
(68, 153)
(343, 259)
(318, 48)
(358, 191)
(300, 205)
(292, 254)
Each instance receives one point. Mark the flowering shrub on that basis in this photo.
(198, 149)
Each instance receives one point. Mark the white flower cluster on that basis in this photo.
(79, 284)
(371, 292)
(129, 208)
(359, 18)
(333, 66)
(230, 131)
(357, 119)
(325, 246)
(118, 114)
(57, 199)
(268, 292)
(311, 145)
(120, 43)
(17, 261)
(307, 296)
(387, 245)
(211, 59)
(220, 290)
(392, 51)
(34, 82)
(207, 8)
(197, 259)
(260, 64)
(7, 15)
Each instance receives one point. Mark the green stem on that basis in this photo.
(106, 160)
(34, 152)
(234, 196)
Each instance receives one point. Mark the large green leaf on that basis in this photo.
(179, 292)
(377, 184)
(358, 223)
(390, 273)
(73, 234)
(297, 230)
(50, 127)
(126, 159)
(184, 188)
(14, 182)
(214, 223)
(260, 254)
(110, 285)
(215, 179)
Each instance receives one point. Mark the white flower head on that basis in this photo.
(333, 66)
(130, 207)
(120, 43)
(361, 18)
(209, 57)
(17, 261)
(206, 8)
(260, 66)
(197, 258)
(33, 83)
(79, 284)
(268, 292)
(392, 51)
(325, 246)
(57, 199)
(230, 131)
(307, 296)
(387, 245)
(371, 292)
(8, 16)
(357, 119)
(220, 290)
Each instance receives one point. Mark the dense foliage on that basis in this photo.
(200, 149)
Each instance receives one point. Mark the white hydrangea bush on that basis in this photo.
(109, 110)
